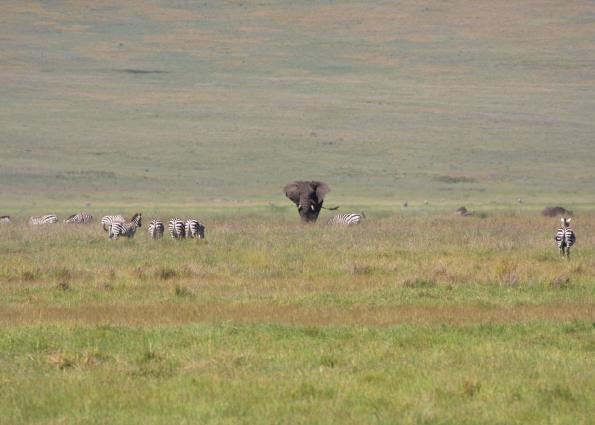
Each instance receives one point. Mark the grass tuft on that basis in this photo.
(62, 273)
(63, 286)
(166, 273)
(29, 275)
(62, 361)
(419, 283)
(471, 387)
(182, 291)
(561, 281)
(359, 269)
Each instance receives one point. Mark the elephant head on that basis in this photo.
(308, 196)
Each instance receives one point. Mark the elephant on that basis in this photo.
(308, 196)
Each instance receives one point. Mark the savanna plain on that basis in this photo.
(417, 316)
(409, 318)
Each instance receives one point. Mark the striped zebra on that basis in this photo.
(80, 218)
(346, 219)
(156, 229)
(108, 220)
(194, 229)
(118, 229)
(177, 229)
(46, 219)
(565, 237)
(5, 219)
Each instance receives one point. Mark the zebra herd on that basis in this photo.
(178, 229)
(116, 226)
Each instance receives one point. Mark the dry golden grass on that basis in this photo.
(430, 269)
(168, 314)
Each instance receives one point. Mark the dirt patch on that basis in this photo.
(140, 71)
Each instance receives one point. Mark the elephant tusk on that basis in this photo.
(312, 207)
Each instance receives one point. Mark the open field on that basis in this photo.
(182, 101)
(171, 107)
(408, 318)
(492, 374)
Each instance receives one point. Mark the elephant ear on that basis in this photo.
(292, 191)
(321, 189)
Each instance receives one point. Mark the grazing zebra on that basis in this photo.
(565, 237)
(108, 220)
(80, 218)
(118, 229)
(46, 219)
(5, 219)
(347, 219)
(156, 229)
(195, 229)
(177, 230)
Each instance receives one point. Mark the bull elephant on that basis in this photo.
(308, 196)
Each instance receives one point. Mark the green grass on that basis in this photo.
(431, 318)
(176, 108)
(490, 374)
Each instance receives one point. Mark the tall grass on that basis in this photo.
(407, 319)
(434, 260)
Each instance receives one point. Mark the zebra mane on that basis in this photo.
(134, 218)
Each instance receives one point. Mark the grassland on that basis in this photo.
(176, 101)
(207, 109)
(410, 318)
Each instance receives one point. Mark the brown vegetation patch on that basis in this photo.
(168, 314)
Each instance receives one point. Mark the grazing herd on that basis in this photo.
(117, 226)
(308, 196)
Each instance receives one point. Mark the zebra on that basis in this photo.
(194, 229)
(80, 218)
(156, 229)
(565, 237)
(346, 219)
(177, 230)
(46, 219)
(5, 219)
(108, 220)
(117, 229)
